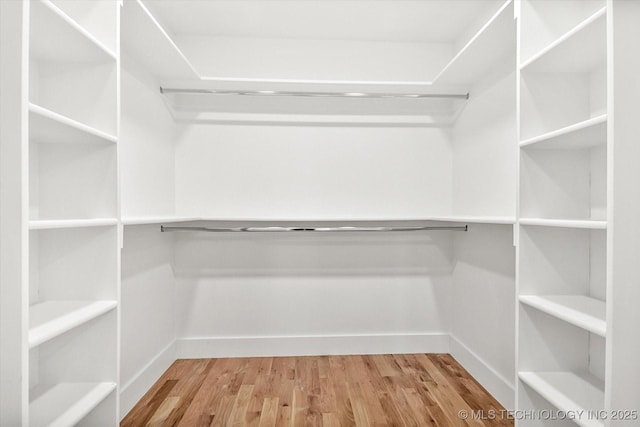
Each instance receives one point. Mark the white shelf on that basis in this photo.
(565, 223)
(315, 222)
(569, 391)
(49, 319)
(586, 134)
(144, 220)
(66, 404)
(71, 223)
(97, 17)
(145, 39)
(582, 311)
(493, 41)
(580, 49)
(46, 126)
(56, 37)
(246, 221)
(384, 221)
(508, 220)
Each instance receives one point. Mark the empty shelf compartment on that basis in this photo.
(579, 310)
(52, 318)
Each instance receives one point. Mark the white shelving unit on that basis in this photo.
(563, 261)
(86, 91)
(564, 84)
(73, 227)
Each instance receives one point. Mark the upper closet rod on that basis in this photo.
(164, 228)
(316, 94)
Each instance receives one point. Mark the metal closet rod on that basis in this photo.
(315, 94)
(303, 229)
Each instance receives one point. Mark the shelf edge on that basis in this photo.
(592, 122)
(67, 121)
(79, 28)
(68, 321)
(49, 224)
(577, 318)
(565, 223)
(562, 39)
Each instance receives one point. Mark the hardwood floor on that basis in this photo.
(380, 390)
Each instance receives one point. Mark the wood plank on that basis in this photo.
(396, 394)
(262, 383)
(386, 365)
(330, 419)
(358, 404)
(238, 415)
(207, 398)
(160, 416)
(269, 413)
(149, 404)
(339, 379)
(223, 411)
(421, 414)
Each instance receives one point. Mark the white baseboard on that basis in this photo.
(141, 382)
(193, 348)
(496, 384)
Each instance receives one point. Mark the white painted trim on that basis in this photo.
(499, 387)
(265, 346)
(142, 381)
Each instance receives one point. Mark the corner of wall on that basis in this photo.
(498, 386)
(135, 389)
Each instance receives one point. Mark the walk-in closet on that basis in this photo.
(338, 191)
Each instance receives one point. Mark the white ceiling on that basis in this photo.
(367, 20)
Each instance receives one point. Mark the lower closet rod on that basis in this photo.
(164, 228)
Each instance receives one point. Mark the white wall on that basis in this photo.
(147, 310)
(364, 287)
(483, 307)
(278, 58)
(14, 211)
(147, 135)
(243, 171)
(485, 148)
(147, 188)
